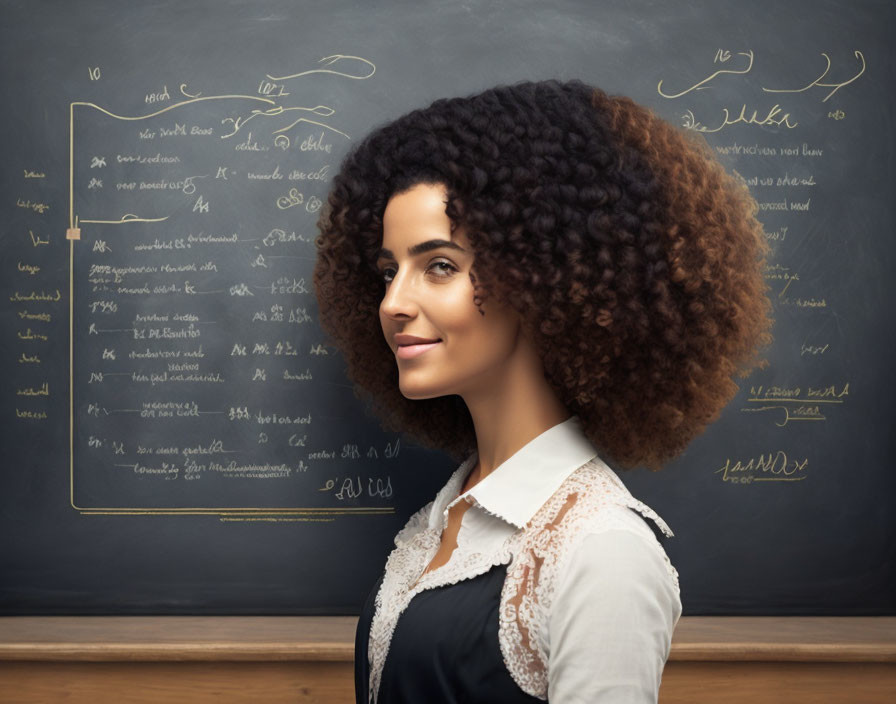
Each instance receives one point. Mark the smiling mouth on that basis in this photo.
(411, 351)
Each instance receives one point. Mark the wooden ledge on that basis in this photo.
(331, 638)
(96, 638)
(785, 638)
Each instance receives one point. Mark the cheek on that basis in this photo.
(458, 313)
(488, 339)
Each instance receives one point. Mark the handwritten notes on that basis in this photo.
(196, 359)
(35, 299)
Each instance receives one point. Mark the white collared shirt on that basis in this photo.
(603, 613)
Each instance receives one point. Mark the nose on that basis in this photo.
(399, 301)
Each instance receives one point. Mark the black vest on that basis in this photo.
(444, 649)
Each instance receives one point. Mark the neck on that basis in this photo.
(511, 409)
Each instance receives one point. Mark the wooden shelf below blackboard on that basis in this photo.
(309, 659)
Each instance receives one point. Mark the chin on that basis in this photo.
(419, 393)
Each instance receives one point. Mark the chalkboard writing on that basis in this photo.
(196, 328)
(180, 435)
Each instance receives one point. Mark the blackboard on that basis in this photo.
(178, 435)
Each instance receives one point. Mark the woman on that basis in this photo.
(533, 279)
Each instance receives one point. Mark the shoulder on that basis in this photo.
(593, 499)
(615, 570)
(605, 524)
(609, 631)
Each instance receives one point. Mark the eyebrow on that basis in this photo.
(422, 247)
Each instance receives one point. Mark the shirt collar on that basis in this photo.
(519, 486)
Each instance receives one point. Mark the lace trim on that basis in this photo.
(583, 505)
(415, 546)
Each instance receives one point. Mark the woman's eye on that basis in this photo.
(445, 269)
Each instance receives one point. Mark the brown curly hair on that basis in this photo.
(633, 258)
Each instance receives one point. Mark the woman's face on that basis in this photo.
(442, 343)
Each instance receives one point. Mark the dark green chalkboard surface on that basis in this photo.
(178, 437)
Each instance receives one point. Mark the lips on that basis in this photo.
(410, 346)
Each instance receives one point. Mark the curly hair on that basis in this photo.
(635, 261)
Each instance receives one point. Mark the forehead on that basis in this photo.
(420, 207)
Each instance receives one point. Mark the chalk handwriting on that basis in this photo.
(817, 81)
(772, 467)
(774, 117)
(701, 85)
(722, 56)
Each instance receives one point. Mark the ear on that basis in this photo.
(478, 292)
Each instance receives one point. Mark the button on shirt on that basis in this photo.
(595, 627)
